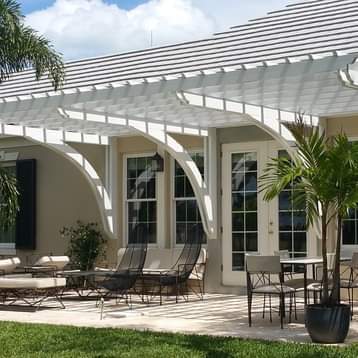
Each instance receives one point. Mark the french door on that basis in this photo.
(251, 225)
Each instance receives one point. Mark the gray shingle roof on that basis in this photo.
(305, 30)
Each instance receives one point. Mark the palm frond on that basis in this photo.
(9, 204)
(23, 48)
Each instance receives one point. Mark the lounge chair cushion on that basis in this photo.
(31, 283)
(273, 289)
(9, 265)
(59, 262)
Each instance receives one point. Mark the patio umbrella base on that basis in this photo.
(328, 324)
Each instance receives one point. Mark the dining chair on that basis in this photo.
(265, 278)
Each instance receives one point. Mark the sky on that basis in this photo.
(88, 28)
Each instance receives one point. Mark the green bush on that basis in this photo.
(86, 244)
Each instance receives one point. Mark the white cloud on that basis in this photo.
(82, 28)
(85, 28)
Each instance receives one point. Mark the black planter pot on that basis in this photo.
(328, 324)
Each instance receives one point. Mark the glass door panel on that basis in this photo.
(241, 219)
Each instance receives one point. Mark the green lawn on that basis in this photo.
(25, 340)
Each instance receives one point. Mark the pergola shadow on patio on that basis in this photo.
(217, 314)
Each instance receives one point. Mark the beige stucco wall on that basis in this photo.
(63, 194)
(348, 125)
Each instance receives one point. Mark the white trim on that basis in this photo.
(229, 277)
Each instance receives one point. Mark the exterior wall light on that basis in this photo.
(157, 163)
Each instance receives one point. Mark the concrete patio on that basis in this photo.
(221, 315)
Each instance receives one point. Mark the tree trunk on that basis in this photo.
(325, 293)
(336, 291)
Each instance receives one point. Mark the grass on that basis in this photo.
(30, 340)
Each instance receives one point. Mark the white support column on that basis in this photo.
(160, 179)
(211, 161)
(55, 140)
(114, 182)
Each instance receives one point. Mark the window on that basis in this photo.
(292, 223)
(349, 231)
(141, 203)
(186, 211)
(7, 238)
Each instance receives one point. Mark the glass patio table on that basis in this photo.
(306, 262)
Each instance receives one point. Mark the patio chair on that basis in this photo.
(260, 273)
(120, 282)
(196, 281)
(352, 282)
(48, 265)
(177, 277)
(316, 287)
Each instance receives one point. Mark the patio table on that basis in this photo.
(305, 262)
(73, 275)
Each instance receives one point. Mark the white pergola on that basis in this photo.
(262, 73)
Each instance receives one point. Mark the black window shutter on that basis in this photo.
(26, 218)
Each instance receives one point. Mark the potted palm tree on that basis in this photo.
(325, 176)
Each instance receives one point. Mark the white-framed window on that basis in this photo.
(7, 238)
(185, 208)
(140, 196)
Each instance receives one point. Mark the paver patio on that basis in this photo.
(221, 315)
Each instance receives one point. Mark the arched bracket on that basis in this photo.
(157, 133)
(55, 140)
(270, 120)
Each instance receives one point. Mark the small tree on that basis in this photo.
(86, 244)
(325, 177)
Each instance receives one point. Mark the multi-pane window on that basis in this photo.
(244, 207)
(186, 209)
(7, 238)
(141, 198)
(292, 222)
(350, 230)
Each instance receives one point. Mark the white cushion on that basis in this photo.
(59, 262)
(31, 283)
(9, 265)
(159, 259)
(266, 289)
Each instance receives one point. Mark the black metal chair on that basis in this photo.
(121, 282)
(177, 277)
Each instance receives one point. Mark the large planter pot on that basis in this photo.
(328, 324)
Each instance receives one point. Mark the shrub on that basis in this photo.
(86, 244)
